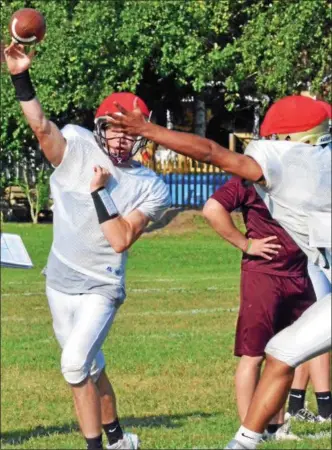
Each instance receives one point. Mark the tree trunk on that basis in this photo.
(33, 203)
(200, 116)
(169, 120)
(171, 155)
(256, 121)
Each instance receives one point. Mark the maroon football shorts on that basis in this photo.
(269, 303)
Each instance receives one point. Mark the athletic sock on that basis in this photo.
(95, 443)
(324, 403)
(249, 439)
(296, 400)
(113, 431)
(274, 427)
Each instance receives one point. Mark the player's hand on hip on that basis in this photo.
(128, 122)
(263, 247)
(100, 179)
(17, 59)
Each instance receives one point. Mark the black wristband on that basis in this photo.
(23, 86)
(105, 207)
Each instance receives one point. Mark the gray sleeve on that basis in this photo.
(157, 201)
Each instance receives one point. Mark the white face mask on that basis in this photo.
(319, 135)
(119, 149)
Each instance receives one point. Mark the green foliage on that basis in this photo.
(37, 192)
(284, 47)
(93, 48)
(72, 70)
(177, 39)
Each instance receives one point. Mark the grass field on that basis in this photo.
(170, 351)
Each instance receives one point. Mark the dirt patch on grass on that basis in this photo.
(179, 221)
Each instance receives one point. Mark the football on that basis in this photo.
(27, 26)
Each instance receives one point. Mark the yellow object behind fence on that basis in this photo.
(182, 164)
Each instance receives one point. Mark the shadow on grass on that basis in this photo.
(166, 218)
(163, 421)
(20, 436)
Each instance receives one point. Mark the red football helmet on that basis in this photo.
(298, 118)
(125, 99)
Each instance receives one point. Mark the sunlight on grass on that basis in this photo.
(169, 354)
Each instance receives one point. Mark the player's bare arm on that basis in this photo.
(48, 134)
(221, 221)
(196, 147)
(121, 232)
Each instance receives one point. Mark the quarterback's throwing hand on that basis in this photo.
(129, 122)
(100, 178)
(17, 59)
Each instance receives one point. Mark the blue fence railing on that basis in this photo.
(193, 189)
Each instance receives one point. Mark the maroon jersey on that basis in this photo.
(290, 261)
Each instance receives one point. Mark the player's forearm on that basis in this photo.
(35, 116)
(191, 145)
(187, 144)
(26, 95)
(231, 234)
(121, 232)
(204, 150)
(49, 136)
(118, 233)
(235, 237)
(221, 221)
(115, 228)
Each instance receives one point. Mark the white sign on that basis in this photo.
(13, 252)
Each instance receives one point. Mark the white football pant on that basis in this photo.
(81, 324)
(310, 335)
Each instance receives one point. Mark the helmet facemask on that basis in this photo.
(117, 155)
(319, 135)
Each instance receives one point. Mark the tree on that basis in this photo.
(284, 47)
(176, 44)
(36, 190)
(72, 71)
(167, 50)
(259, 48)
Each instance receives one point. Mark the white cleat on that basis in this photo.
(303, 415)
(128, 442)
(282, 434)
(321, 419)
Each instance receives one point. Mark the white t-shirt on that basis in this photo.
(297, 191)
(78, 241)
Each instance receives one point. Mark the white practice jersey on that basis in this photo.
(78, 241)
(297, 191)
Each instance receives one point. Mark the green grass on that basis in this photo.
(169, 353)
